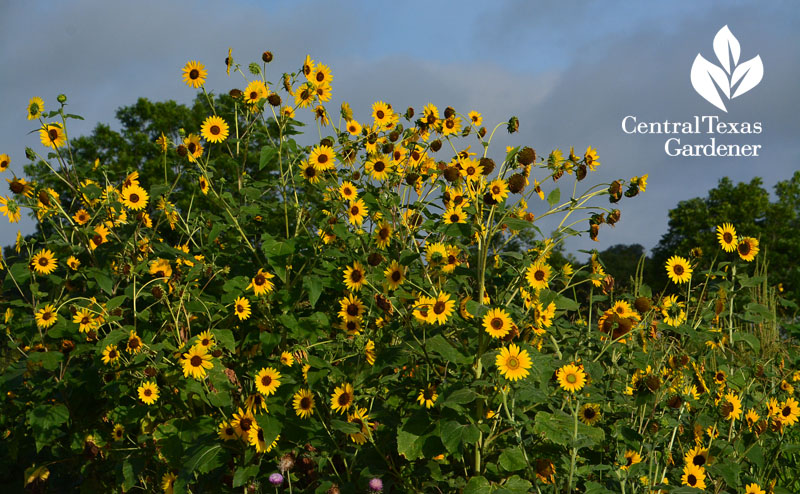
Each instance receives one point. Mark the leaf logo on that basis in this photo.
(733, 77)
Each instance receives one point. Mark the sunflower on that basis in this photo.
(454, 215)
(119, 432)
(241, 307)
(261, 283)
(352, 327)
(497, 323)
(321, 75)
(356, 212)
(35, 108)
(44, 262)
(267, 381)
(243, 422)
(100, 236)
(134, 197)
(441, 309)
(193, 146)
(214, 129)
(471, 169)
(46, 316)
(226, 431)
(538, 275)
(427, 396)
(719, 378)
(81, 217)
(590, 158)
(370, 353)
(110, 355)
(255, 92)
(381, 113)
(256, 402)
(631, 458)
(148, 392)
(342, 398)
(513, 362)
(168, 482)
(287, 359)
(322, 158)
(451, 259)
(4, 162)
(10, 208)
(194, 74)
(748, 248)
(395, 275)
(498, 189)
(348, 191)
(354, 128)
(361, 419)
(20, 186)
(752, 417)
(451, 126)
(351, 308)
(678, 269)
(206, 339)
(754, 489)
(52, 135)
(571, 377)
(196, 361)
(287, 111)
(673, 311)
(475, 118)
(545, 471)
(354, 277)
(726, 235)
(83, 318)
(256, 438)
(303, 403)
(203, 182)
(134, 343)
(696, 456)
(308, 172)
(383, 235)
(694, 476)
(589, 413)
(378, 167)
(788, 412)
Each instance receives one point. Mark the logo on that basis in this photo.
(732, 79)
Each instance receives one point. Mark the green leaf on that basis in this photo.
(242, 475)
(103, 281)
(225, 339)
(747, 338)
(553, 197)
(453, 434)
(49, 360)
(267, 157)
(346, 427)
(461, 396)
(513, 459)
(206, 458)
(442, 347)
(516, 224)
(515, 485)
(410, 435)
(477, 485)
(314, 287)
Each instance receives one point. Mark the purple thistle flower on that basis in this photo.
(276, 479)
(376, 485)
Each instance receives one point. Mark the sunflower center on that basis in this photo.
(134, 198)
(786, 411)
(496, 190)
(629, 461)
(134, 343)
(43, 262)
(496, 323)
(205, 342)
(727, 237)
(245, 423)
(253, 95)
(744, 248)
(691, 479)
(380, 114)
(147, 392)
(470, 170)
(53, 133)
(229, 431)
(571, 378)
(239, 308)
(196, 361)
(261, 435)
(355, 276)
(15, 186)
(396, 275)
(194, 74)
(84, 320)
(512, 363)
(320, 76)
(589, 413)
(46, 316)
(699, 460)
(677, 269)
(458, 200)
(266, 381)
(192, 147)
(438, 307)
(344, 399)
(379, 166)
(589, 159)
(215, 130)
(384, 233)
(354, 210)
(415, 155)
(351, 326)
(454, 218)
(305, 403)
(538, 275)
(112, 354)
(352, 310)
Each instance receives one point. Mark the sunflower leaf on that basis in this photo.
(513, 459)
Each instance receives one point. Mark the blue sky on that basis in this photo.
(569, 70)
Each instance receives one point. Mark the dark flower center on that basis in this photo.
(727, 237)
(344, 399)
(196, 361)
(786, 411)
(396, 275)
(259, 279)
(43, 261)
(699, 460)
(691, 479)
(589, 413)
(194, 74)
(379, 166)
(266, 381)
(253, 95)
(512, 363)
(46, 316)
(133, 343)
(380, 114)
(744, 248)
(305, 403)
(352, 310)
(354, 210)
(355, 276)
(53, 133)
(677, 269)
(497, 323)
(538, 275)
(147, 392)
(245, 423)
(439, 307)
(571, 378)
(215, 129)
(134, 198)
(320, 76)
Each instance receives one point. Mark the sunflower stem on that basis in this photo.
(574, 453)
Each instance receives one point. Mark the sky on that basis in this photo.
(570, 71)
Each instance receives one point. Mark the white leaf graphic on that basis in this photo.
(750, 72)
(703, 76)
(725, 42)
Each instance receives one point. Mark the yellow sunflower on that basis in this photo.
(256, 402)
(497, 323)
(726, 234)
(673, 311)
(194, 74)
(342, 398)
(788, 412)
(381, 113)
(451, 125)
(427, 396)
(370, 353)
(5, 161)
(322, 158)
(255, 92)
(168, 482)
(571, 378)
(513, 362)
(590, 158)
(443, 306)
(694, 476)
(44, 262)
(354, 277)
(378, 167)
(148, 393)
(261, 283)
(83, 318)
(454, 215)
(361, 419)
(134, 343)
(589, 413)
(348, 191)
(395, 275)
(206, 339)
(10, 208)
(303, 403)
(754, 489)
(356, 212)
(196, 361)
(110, 355)
(475, 118)
(383, 235)
(256, 438)
(46, 316)
(267, 381)
(352, 309)
(498, 189)
(321, 75)
(696, 456)
(193, 146)
(631, 458)
(731, 408)
(226, 431)
(471, 170)
(119, 432)
(214, 129)
(538, 275)
(678, 269)
(748, 248)
(52, 135)
(243, 422)
(81, 217)
(134, 197)
(241, 306)
(354, 128)
(35, 108)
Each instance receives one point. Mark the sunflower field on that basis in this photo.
(373, 308)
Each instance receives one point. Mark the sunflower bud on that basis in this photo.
(326, 141)
(409, 113)
(580, 172)
(513, 125)
(266, 56)
(150, 371)
(597, 219)
(29, 153)
(61, 98)
(482, 132)
(254, 68)
(643, 304)
(67, 346)
(516, 183)
(356, 175)
(387, 148)
(394, 135)
(526, 156)
(274, 99)
(436, 145)
(374, 259)
(488, 165)
(235, 93)
(157, 292)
